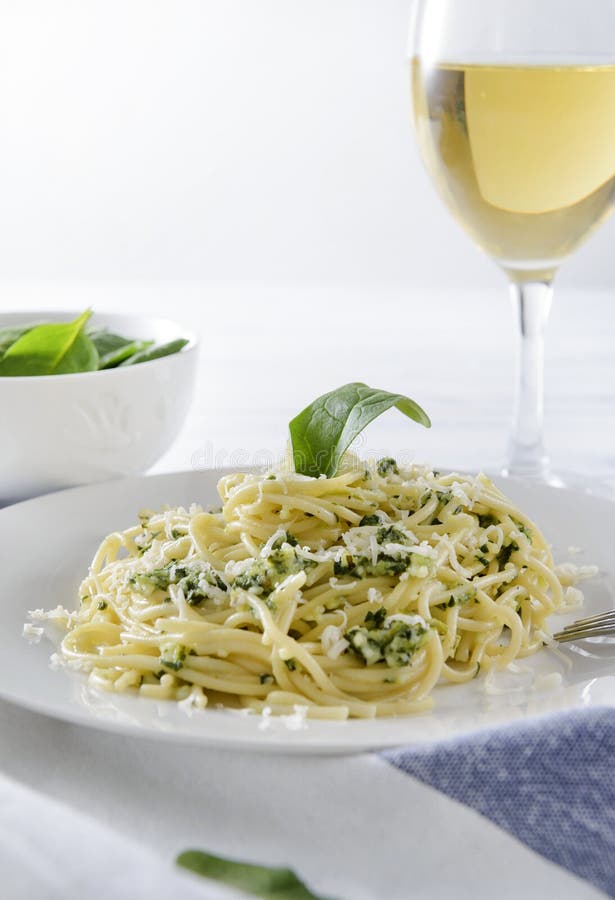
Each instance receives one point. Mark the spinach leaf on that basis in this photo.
(52, 349)
(8, 336)
(113, 349)
(321, 434)
(156, 352)
(271, 884)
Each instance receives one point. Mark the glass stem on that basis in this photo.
(527, 455)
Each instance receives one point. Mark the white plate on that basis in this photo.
(48, 542)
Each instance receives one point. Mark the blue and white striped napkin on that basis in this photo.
(550, 783)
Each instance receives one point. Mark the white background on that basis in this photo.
(248, 141)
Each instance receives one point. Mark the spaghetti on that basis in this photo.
(349, 596)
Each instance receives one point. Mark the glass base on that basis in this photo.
(574, 481)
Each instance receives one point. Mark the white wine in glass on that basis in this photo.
(514, 108)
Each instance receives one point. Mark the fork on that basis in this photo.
(602, 625)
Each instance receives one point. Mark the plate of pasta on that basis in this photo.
(381, 605)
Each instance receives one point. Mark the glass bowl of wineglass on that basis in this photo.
(514, 108)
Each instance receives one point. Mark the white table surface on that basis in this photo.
(266, 352)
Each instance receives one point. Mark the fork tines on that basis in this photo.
(601, 625)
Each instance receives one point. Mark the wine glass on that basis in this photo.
(514, 106)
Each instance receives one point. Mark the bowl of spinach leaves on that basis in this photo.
(87, 397)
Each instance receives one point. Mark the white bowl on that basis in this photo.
(62, 430)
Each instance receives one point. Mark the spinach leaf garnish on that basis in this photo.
(113, 349)
(259, 881)
(156, 352)
(53, 349)
(8, 336)
(321, 434)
